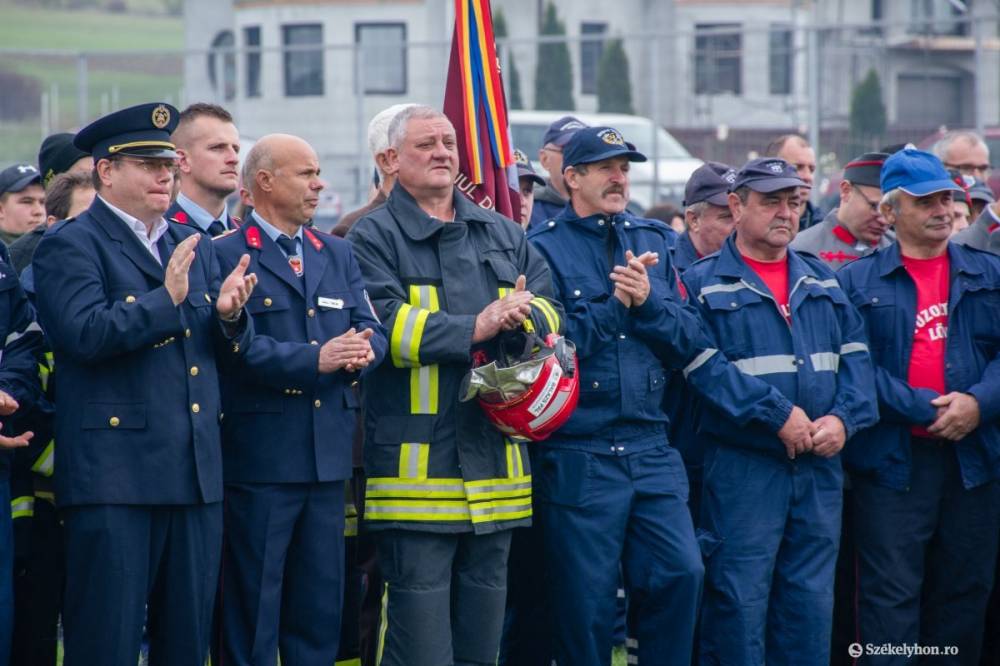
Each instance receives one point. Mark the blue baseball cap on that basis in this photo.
(525, 170)
(142, 131)
(766, 175)
(560, 131)
(593, 144)
(710, 182)
(916, 172)
(16, 177)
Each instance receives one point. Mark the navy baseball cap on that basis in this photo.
(524, 168)
(561, 130)
(866, 169)
(141, 131)
(17, 177)
(593, 144)
(918, 173)
(766, 175)
(710, 182)
(980, 191)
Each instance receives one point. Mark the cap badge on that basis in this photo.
(520, 158)
(161, 117)
(775, 167)
(730, 176)
(612, 137)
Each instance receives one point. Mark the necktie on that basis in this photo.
(217, 228)
(291, 248)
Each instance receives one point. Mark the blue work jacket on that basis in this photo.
(819, 361)
(886, 297)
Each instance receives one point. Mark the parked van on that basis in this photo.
(675, 164)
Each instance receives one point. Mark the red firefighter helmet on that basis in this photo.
(531, 389)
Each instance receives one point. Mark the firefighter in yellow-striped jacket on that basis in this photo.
(444, 487)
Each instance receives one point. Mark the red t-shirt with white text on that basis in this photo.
(930, 330)
(775, 276)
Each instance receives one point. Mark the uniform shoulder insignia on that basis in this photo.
(224, 234)
(253, 237)
(311, 235)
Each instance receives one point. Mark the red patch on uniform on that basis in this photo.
(181, 217)
(993, 227)
(253, 237)
(296, 264)
(316, 243)
(839, 256)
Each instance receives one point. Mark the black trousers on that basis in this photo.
(444, 597)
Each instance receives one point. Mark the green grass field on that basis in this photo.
(117, 68)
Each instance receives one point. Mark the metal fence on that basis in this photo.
(724, 90)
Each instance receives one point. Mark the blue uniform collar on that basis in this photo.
(418, 225)
(272, 231)
(199, 215)
(731, 264)
(598, 224)
(891, 259)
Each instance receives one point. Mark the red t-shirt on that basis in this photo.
(930, 330)
(775, 276)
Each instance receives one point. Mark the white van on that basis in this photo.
(674, 161)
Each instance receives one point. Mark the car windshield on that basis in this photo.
(641, 134)
(528, 137)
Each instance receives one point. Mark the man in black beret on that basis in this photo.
(856, 228)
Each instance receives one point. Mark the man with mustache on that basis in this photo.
(611, 491)
(926, 479)
(855, 228)
(290, 410)
(208, 151)
(771, 507)
(137, 313)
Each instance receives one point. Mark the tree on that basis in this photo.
(868, 119)
(554, 73)
(614, 87)
(513, 78)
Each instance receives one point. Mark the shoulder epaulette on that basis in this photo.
(224, 234)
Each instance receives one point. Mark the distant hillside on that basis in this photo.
(118, 73)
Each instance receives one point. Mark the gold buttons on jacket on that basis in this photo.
(194, 370)
(187, 332)
(130, 299)
(267, 302)
(114, 421)
(195, 407)
(314, 342)
(317, 404)
(311, 312)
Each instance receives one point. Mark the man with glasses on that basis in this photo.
(136, 311)
(856, 228)
(966, 152)
(551, 199)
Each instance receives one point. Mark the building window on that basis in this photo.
(937, 17)
(222, 64)
(780, 57)
(718, 57)
(382, 49)
(303, 67)
(251, 41)
(590, 55)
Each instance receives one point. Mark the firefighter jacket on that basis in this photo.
(434, 463)
(886, 296)
(819, 361)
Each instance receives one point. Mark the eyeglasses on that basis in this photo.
(970, 168)
(153, 166)
(872, 205)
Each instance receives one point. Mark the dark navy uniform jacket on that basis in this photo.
(176, 213)
(138, 408)
(886, 296)
(20, 344)
(285, 422)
